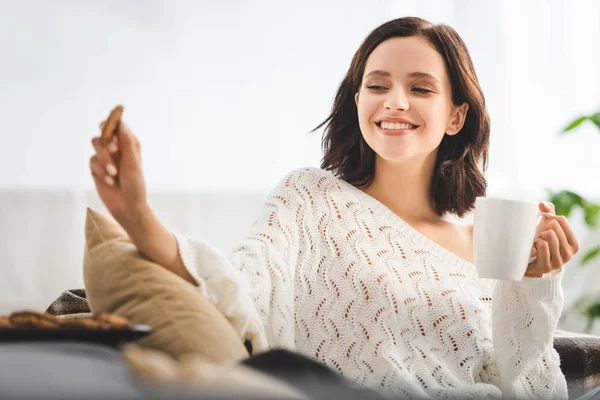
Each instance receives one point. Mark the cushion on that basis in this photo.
(191, 375)
(119, 280)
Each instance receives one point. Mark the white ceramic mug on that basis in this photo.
(503, 235)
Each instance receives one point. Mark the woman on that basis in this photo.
(356, 264)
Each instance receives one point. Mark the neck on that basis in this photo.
(405, 188)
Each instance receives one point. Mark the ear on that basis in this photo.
(356, 99)
(457, 120)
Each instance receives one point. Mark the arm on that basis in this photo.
(155, 242)
(524, 319)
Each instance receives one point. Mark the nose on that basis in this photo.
(396, 100)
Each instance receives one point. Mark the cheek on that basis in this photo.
(367, 108)
(432, 113)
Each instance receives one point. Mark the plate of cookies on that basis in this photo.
(104, 328)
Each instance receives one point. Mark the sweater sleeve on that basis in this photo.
(254, 286)
(524, 318)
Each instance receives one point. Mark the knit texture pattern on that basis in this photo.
(329, 271)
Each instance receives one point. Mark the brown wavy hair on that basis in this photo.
(458, 176)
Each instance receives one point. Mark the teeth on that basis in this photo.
(396, 125)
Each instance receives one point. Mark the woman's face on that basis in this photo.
(404, 102)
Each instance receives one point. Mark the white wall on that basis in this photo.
(223, 94)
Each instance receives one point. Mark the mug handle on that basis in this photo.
(540, 214)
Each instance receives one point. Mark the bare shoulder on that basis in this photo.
(461, 225)
(461, 229)
(466, 230)
(469, 229)
(464, 240)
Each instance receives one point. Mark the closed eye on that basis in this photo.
(418, 90)
(421, 90)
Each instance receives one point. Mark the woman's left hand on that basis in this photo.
(554, 245)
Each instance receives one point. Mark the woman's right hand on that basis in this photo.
(117, 173)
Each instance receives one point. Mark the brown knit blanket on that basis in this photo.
(72, 303)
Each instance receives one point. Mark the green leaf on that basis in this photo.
(575, 124)
(564, 201)
(593, 310)
(592, 212)
(588, 307)
(590, 255)
(590, 324)
(596, 119)
(582, 304)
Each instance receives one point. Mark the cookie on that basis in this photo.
(5, 322)
(33, 318)
(113, 320)
(111, 126)
(80, 323)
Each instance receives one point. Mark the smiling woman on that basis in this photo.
(354, 265)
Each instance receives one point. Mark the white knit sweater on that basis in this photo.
(332, 273)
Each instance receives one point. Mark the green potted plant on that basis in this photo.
(565, 202)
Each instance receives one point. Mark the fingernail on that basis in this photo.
(110, 181)
(111, 169)
(112, 147)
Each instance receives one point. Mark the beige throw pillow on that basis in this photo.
(119, 280)
(191, 374)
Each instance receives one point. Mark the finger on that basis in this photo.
(128, 142)
(546, 207)
(568, 242)
(543, 249)
(99, 172)
(543, 225)
(533, 252)
(566, 250)
(106, 182)
(546, 213)
(569, 234)
(113, 146)
(556, 260)
(104, 157)
(543, 259)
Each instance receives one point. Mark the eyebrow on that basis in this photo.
(412, 75)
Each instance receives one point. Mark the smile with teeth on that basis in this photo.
(395, 125)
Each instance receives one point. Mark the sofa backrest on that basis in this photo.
(42, 235)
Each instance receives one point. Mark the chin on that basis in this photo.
(394, 156)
